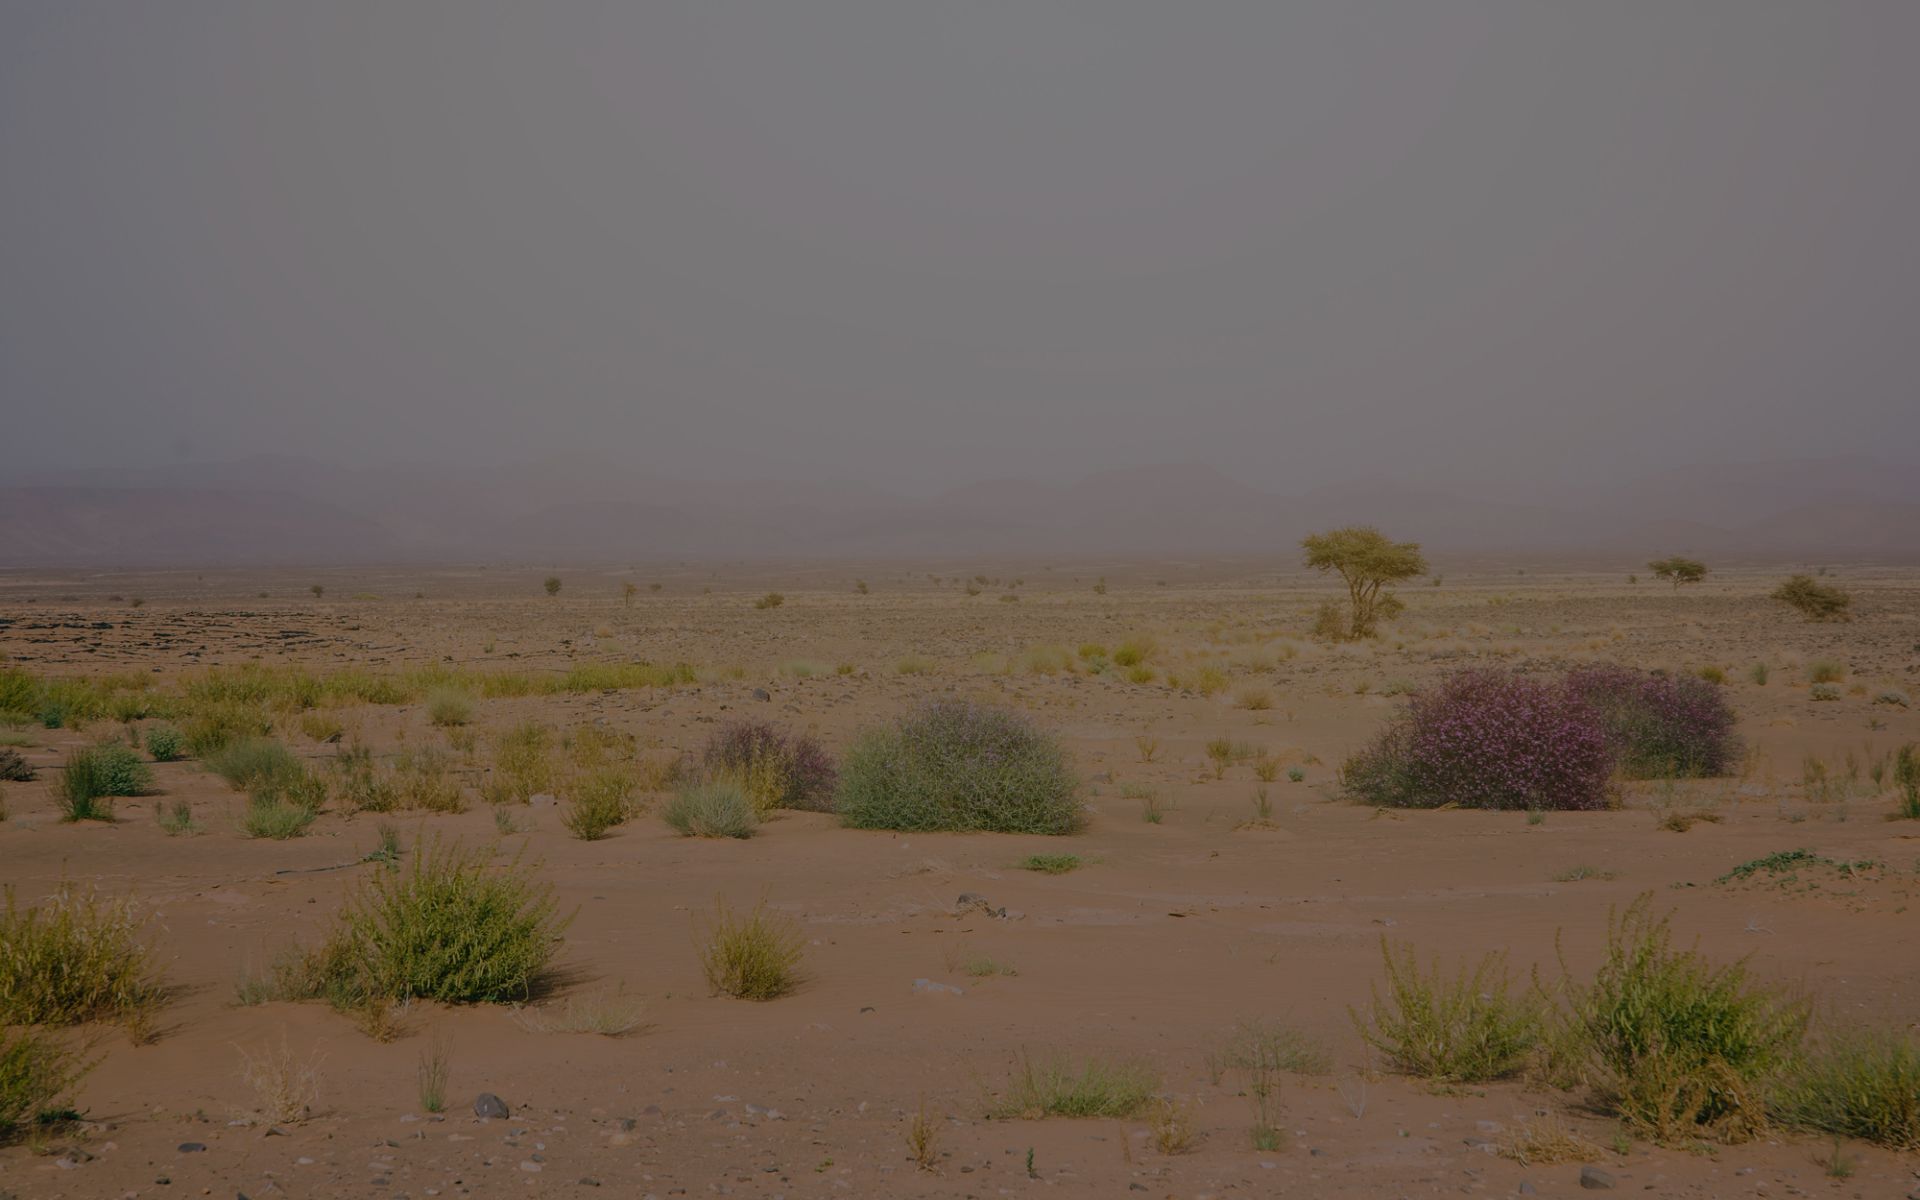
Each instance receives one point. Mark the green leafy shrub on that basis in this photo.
(1861, 1084)
(712, 808)
(93, 775)
(956, 765)
(1096, 1088)
(449, 927)
(165, 743)
(1470, 1028)
(1684, 1048)
(249, 763)
(36, 1073)
(76, 957)
(751, 957)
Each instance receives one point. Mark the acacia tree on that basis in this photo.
(1679, 570)
(1367, 561)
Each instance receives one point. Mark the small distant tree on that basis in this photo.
(1815, 601)
(1368, 562)
(317, 591)
(627, 592)
(1678, 570)
(552, 585)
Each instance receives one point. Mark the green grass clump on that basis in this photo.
(1826, 670)
(94, 775)
(247, 763)
(165, 743)
(73, 958)
(175, 819)
(210, 725)
(1096, 1088)
(1050, 864)
(449, 927)
(449, 706)
(276, 818)
(955, 765)
(1861, 1084)
(1470, 1028)
(1789, 862)
(751, 957)
(1906, 778)
(36, 1073)
(1684, 1048)
(714, 808)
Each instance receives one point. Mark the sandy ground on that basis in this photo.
(1166, 939)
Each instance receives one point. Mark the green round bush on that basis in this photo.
(957, 765)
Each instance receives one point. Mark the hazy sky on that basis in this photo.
(920, 244)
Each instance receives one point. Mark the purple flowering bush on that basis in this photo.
(1661, 726)
(957, 765)
(779, 769)
(1488, 739)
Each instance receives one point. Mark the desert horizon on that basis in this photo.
(962, 602)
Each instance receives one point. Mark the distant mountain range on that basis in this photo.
(286, 510)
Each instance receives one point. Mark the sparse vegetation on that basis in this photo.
(770, 600)
(1050, 864)
(713, 809)
(1096, 1088)
(608, 1013)
(956, 765)
(449, 707)
(165, 743)
(76, 957)
(36, 1075)
(751, 957)
(1469, 1028)
(1857, 1083)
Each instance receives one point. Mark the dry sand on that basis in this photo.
(1168, 937)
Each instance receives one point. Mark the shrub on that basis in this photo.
(956, 765)
(175, 819)
(276, 817)
(1660, 725)
(423, 779)
(210, 725)
(1050, 864)
(165, 743)
(1906, 777)
(95, 773)
(1487, 739)
(770, 600)
(1814, 601)
(35, 1074)
(1467, 1029)
(14, 768)
(76, 957)
(522, 767)
(752, 957)
(1096, 1088)
(1826, 670)
(1862, 1084)
(601, 800)
(775, 768)
(714, 808)
(449, 928)
(1684, 1047)
(1820, 692)
(255, 763)
(448, 706)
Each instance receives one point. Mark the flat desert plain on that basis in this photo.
(1163, 948)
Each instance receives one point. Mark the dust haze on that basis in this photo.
(458, 279)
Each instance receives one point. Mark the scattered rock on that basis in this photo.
(762, 694)
(488, 1105)
(192, 1147)
(1595, 1180)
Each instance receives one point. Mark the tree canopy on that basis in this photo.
(1367, 560)
(1678, 569)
